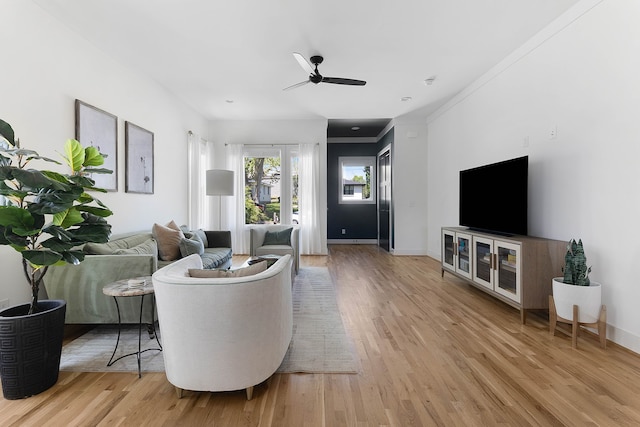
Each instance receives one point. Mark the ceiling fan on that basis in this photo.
(315, 77)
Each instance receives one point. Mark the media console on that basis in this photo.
(515, 269)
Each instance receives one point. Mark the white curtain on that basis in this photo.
(235, 209)
(199, 203)
(311, 231)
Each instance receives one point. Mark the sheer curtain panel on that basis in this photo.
(309, 201)
(199, 203)
(239, 237)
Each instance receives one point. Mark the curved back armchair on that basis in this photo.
(223, 334)
(258, 247)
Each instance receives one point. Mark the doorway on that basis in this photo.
(385, 229)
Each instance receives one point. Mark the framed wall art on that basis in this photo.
(95, 127)
(139, 159)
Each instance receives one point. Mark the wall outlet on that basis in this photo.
(344, 231)
(553, 132)
(4, 303)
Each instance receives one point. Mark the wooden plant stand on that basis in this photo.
(601, 324)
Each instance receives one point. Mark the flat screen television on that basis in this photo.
(494, 197)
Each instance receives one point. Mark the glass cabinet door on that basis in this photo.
(448, 250)
(508, 270)
(463, 265)
(483, 261)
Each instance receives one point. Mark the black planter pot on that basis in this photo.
(30, 348)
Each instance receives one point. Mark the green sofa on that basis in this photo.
(123, 257)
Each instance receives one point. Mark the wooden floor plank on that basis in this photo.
(432, 351)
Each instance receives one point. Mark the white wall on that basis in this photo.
(409, 186)
(581, 75)
(45, 68)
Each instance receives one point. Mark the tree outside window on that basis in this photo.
(262, 190)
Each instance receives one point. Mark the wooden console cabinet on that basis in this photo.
(515, 269)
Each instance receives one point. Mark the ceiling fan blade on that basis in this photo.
(303, 63)
(341, 81)
(297, 85)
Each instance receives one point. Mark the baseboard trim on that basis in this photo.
(409, 252)
(623, 338)
(352, 241)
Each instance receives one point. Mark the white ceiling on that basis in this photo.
(208, 52)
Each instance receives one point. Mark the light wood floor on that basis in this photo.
(433, 352)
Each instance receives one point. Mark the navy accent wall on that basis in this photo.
(359, 221)
(386, 140)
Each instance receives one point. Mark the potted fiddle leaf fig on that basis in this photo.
(45, 216)
(575, 287)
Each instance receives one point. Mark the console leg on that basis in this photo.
(249, 393)
(575, 327)
(602, 327)
(553, 315)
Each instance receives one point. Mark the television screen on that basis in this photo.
(494, 197)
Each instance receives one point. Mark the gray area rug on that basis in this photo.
(91, 351)
(320, 343)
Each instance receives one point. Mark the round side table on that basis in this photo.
(138, 286)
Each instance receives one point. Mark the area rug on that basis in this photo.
(320, 343)
(91, 352)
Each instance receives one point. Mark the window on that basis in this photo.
(357, 179)
(271, 185)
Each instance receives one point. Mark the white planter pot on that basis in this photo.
(587, 298)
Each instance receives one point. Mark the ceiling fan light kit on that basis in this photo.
(315, 77)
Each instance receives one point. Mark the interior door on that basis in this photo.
(384, 200)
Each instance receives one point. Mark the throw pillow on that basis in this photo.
(278, 237)
(238, 272)
(148, 247)
(203, 236)
(191, 244)
(200, 232)
(168, 239)
(172, 224)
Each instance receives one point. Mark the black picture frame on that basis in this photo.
(98, 128)
(139, 176)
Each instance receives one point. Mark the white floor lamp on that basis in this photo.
(219, 183)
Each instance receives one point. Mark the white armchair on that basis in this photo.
(223, 334)
(258, 247)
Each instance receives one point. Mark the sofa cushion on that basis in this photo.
(147, 247)
(238, 272)
(168, 238)
(215, 257)
(122, 243)
(274, 250)
(282, 237)
(191, 244)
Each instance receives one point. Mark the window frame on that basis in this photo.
(355, 161)
(285, 152)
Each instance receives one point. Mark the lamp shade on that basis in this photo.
(219, 182)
